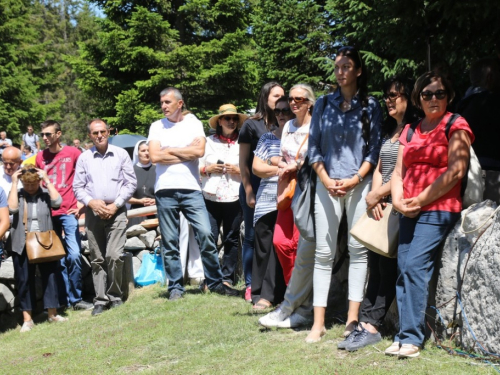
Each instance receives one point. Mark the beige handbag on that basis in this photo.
(379, 236)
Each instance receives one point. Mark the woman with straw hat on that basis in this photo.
(221, 181)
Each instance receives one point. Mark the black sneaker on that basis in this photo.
(115, 303)
(362, 339)
(98, 310)
(349, 339)
(225, 290)
(83, 305)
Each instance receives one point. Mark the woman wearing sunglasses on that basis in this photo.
(220, 178)
(344, 144)
(425, 188)
(268, 284)
(250, 133)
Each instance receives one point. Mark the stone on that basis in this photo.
(7, 298)
(134, 243)
(156, 244)
(158, 232)
(148, 238)
(135, 230)
(136, 264)
(7, 270)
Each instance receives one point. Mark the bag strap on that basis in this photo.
(300, 148)
(450, 122)
(25, 216)
(411, 130)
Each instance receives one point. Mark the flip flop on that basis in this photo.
(262, 304)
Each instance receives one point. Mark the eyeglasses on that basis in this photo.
(31, 170)
(392, 96)
(427, 95)
(46, 135)
(229, 118)
(97, 132)
(284, 111)
(10, 164)
(297, 99)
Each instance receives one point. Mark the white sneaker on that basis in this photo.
(27, 326)
(295, 320)
(273, 318)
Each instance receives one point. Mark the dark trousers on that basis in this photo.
(381, 288)
(267, 275)
(230, 216)
(25, 280)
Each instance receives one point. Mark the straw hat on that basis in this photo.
(227, 109)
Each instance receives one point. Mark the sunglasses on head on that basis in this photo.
(392, 96)
(284, 111)
(229, 118)
(297, 99)
(427, 95)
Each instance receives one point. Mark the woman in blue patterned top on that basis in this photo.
(344, 143)
(268, 283)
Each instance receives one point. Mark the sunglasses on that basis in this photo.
(284, 111)
(427, 95)
(31, 170)
(97, 132)
(46, 134)
(297, 99)
(392, 96)
(233, 118)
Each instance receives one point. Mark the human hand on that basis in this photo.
(43, 175)
(215, 168)
(15, 177)
(232, 169)
(409, 207)
(378, 210)
(98, 206)
(343, 186)
(148, 201)
(372, 199)
(251, 200)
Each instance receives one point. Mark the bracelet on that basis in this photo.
(204, 170)
(359, 176)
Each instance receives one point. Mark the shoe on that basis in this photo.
(203, 287)
(98, 310)
(273, 318)
(408, 351)
(195, 281)
(349, 339)
(248, 294)
(295, 320)
(393, 349)
(57, 319)
(175, 295)
(349, 328)
(115, 303)
(27, 326)
(225, 290)
(312, 338)
(362, 339)
(83, 305)
(262, 304)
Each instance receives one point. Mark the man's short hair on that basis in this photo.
(177, 93)
(53, 123)
(96, 120)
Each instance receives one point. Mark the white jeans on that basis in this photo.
(328, 212)
(188, 244)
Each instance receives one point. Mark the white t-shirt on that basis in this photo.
(291, 141)
(184, 175)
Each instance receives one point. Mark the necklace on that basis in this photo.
(345, 106)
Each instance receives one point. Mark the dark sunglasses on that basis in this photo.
(97, 132)
(31, 170)
(284, 111)
(229, 118)
(392, 96)
(427, 95)
(297, 99)
(46, 134)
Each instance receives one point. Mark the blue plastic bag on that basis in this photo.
(152, 270)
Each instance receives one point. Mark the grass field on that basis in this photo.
(199, 334)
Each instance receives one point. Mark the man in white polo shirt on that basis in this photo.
(176, 142)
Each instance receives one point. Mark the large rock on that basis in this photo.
(135, 230)
(7, 270)
(134, 243)
(148, 238)
(136, 264)
(7, 298)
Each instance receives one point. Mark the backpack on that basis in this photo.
(472, 188)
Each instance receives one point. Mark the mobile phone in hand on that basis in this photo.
(220, 162)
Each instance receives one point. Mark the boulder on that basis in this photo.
(148, 238)
(7, 270)
(7, 298)
(158, 231)
(134, 243)
(156, 244)
(135, 230)
(136, 264)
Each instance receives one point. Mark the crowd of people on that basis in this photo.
(414, 156)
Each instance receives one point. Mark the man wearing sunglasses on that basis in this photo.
(176, 142)
(104, 182)
(59, 162)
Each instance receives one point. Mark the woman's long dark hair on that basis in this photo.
(362, 86)
(404, 86)
(263, 111)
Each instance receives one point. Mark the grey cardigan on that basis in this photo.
(43, 209)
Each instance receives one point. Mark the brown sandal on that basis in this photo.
(262, 304)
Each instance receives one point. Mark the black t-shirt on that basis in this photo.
(250, 132)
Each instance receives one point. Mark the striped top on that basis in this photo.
(267, 195)
(388, 158)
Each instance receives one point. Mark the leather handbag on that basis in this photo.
(303, 210)
(379, 236)
(286, 185)
(42, 247)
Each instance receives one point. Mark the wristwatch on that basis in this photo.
(360, 177)
(269, 162)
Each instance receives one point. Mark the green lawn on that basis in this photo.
(199, 334)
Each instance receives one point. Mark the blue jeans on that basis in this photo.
(71, 265)
(248, 240)
(191, 203)
(419, 240)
